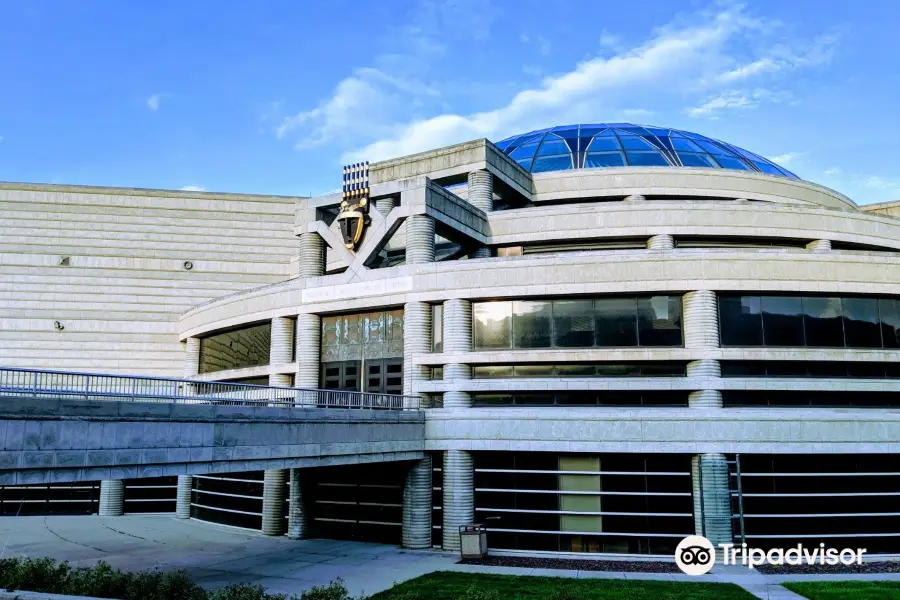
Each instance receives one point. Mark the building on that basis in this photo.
(623, 335)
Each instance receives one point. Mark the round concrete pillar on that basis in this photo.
(417, 506)
(701, 320)
(112, 498)
(282, 341)
(312, 255)
(416, 340)
(662, 241)
(634, 198)
(309, 334)
(819, 245)
(419, 240)
(183, 497)
(712, 498)
(705, 398)
(274, 486)
(297, 521)
(385, 205)
(459, 495)
(481, 190)
(457, 340)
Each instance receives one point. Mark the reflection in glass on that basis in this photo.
(531, 324)
(437, 327)
(782, 318)
(492, 324)
(740, 319)
(573, 323)
(822, 322)
(659, 321)
(861, 326)
(889, 310)
(616, 321)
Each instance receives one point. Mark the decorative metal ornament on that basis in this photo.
(354, 217)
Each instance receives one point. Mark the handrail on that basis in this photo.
(42, 383)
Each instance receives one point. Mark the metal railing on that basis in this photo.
(39, 383)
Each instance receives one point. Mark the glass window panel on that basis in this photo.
(525, 163)
(862, 328)
(619, 370)
(551, 146)
(437, 328)
(663, 370)
(551, 163)
(727, 162)
(531, 324)
(635, 142)
(647, 159)
(696, 160)
(526, 151)
(573, 323)
(604, 159)
(534, 370)
(604, 143)
(740, 320)
(865, 369)
(747, 368)
(889, 311)
(576, 370)
(822, 322)
(712, 148)
(767, 168)
(492, 371)
(681, 143)
(616, 321)
(782, 318)
(659, 321)
(492, 324)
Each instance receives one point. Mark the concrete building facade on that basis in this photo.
(617, 342)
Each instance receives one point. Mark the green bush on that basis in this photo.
(102, 581)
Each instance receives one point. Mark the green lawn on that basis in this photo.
(447, 585)
(846, 590)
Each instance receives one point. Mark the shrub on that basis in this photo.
(336, 590)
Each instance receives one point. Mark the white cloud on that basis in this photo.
(787, 158)
(880, 183)
(755, 68)
(736, 100)
(153, 102)
(193, 188)
(834, 171)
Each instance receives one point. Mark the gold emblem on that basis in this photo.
(354, 203)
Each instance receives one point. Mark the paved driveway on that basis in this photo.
(215, 556)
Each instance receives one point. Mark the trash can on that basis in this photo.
(472, 541)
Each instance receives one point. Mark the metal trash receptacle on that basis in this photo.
(472, 541)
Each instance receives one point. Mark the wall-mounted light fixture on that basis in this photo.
(188, 265)
(64, 261)
(59, 326)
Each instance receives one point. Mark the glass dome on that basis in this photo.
(624, 144)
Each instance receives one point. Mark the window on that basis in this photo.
(573, 324)
(782, 318)
(492, 324)
(437, 328)
(810, 321)
(531, 324)
(616, 320)
(659, 321)
(236, 349)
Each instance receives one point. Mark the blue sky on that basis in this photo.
(274, 96)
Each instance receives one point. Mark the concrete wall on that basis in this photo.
(125, 285)
(70, 440)
(890, 209)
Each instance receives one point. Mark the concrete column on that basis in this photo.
(457, 339)
(712, 498)
(481, 195)
(419, 240)
(701, 320)
(312, 255)
(183, 497)
(417, 506)
(273, 501)
(112, 498)
(281, 348)
(819, 245)
(191, 357)
(459, 495)
(416, 340)
(298, 526)
(309, 335)
(634, 198)
(385, 205)
(663, 241)
(705, 398)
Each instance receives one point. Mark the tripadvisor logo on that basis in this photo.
(695, 555)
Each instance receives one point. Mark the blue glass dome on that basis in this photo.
(623, 144)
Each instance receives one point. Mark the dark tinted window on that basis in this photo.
(822, 322)
(573, 323)
(659, 321)
(782, 320)
(861, 326)
(889, 311)
(616, 321)
(740, 321)
(531, 324)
